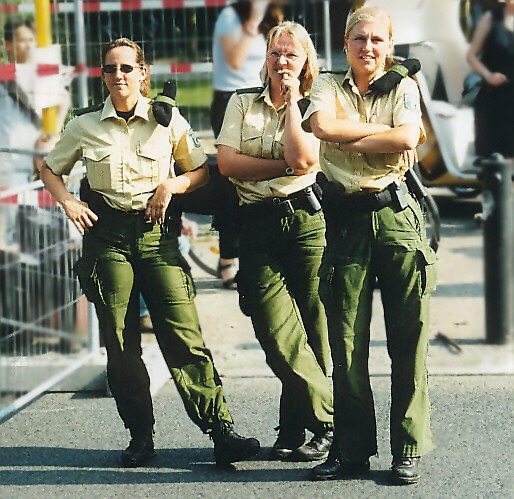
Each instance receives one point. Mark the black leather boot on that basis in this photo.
(334, 468)
(287, 442)
(230, 447)
(139, 451)
(405, 470)
(316, 448)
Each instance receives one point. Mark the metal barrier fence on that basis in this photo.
(176, 36)
(43, 318)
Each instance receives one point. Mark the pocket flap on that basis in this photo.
(428, 255)
(153, 151)
(251, 133)
(97, 154)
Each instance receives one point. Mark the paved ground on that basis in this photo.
(68, 444)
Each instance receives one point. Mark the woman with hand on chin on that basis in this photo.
(239, 50)
(134, 167)
(272, 162)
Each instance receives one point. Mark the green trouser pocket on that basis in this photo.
(428, 270)
(86, 270)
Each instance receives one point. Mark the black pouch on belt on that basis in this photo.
(398, 192)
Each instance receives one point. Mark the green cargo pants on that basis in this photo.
(278, 285)
(391, 247)
(123, 255)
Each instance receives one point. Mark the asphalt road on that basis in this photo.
(68, 445)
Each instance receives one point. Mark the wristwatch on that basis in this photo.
(289, 171)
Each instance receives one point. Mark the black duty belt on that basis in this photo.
(283, 206)
(374, 201)
(105, 209)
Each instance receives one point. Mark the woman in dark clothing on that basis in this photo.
(491, 54)
(239, 52)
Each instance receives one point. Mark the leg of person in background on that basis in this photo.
(218, 198)
(225, 221)
(145, 323)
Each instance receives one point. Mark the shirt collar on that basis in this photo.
(349, 78)
(141, 111)
(266, 97)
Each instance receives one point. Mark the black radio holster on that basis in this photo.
(93, 199)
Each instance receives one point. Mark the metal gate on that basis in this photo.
(44, 332)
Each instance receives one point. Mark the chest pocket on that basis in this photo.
(278, 146)
(251, 141)
(99, 167)
(154, 161)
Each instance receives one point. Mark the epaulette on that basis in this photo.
(165, 99)
(326, 71)
(303, 104)
(90, 109)
(251, 90)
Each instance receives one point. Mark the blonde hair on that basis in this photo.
(369, 14)
(300, 34)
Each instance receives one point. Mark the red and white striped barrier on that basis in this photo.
(8, 71)
(40, 198)
(120, 5)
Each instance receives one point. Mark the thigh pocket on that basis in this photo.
(86, 270)
(427, 260)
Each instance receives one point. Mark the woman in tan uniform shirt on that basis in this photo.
(135, 166)
(273, 162)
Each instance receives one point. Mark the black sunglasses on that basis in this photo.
(124, 68)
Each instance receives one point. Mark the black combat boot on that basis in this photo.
(230, 447)
(139, 451)
(405, 470)
(287, 442)
(334, 468)
(316, 448)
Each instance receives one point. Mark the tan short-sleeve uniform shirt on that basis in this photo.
(255, 128)
(339, 96)
(127, 160)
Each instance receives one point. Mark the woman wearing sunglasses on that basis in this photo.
(273, 163)
(134, 167)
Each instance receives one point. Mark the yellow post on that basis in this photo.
(44, 39)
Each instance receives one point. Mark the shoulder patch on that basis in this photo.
(251, 90)
(194, 138)
(410, 102)
(90, 109)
